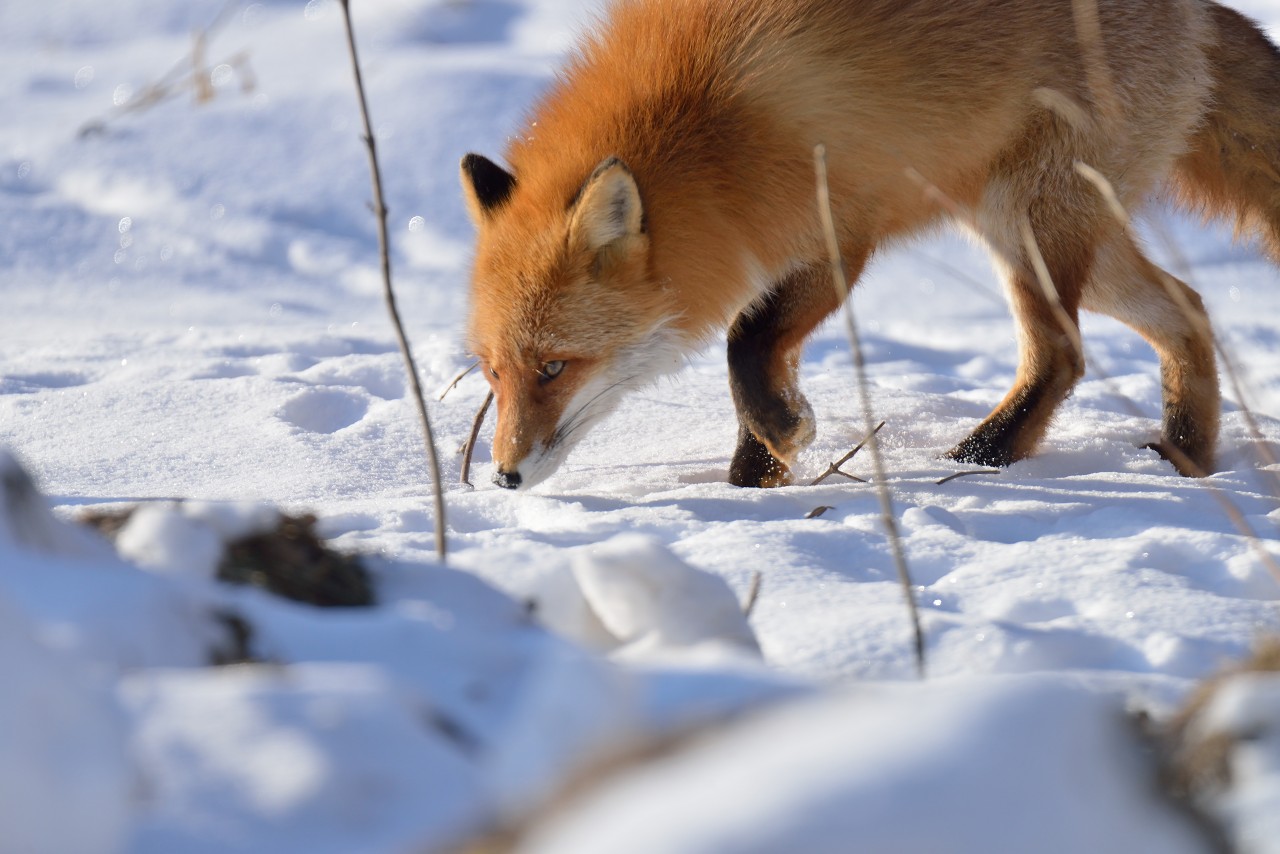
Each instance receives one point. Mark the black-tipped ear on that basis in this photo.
(608, 207)
(486, 185)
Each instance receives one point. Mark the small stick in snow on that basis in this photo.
(841, 285)
(453, 383)
(753, 593)
(818, 511)
(470, 446)
(384, 250)
(834, 468)
(960, 474)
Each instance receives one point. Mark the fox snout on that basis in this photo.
(532, 437)
(507, 480)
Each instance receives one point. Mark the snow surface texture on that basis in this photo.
(191, 309)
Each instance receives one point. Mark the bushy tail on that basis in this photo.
(1233, 166)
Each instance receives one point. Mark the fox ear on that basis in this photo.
(486, 185)
(607, 209)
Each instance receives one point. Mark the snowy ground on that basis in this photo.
(191, 308)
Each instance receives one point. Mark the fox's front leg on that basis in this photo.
(1050, 358)
(775, 421)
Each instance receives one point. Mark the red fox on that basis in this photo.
(663, 191)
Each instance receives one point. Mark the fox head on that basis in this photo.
(565, 315)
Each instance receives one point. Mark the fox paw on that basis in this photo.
(980, 451)
(1178, 458)
(754, 466)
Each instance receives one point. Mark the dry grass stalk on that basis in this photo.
(1199, 762)
(1097, 73)
(190, 73)
(1069, 327)
(384, 251)
(978, 288)
(199, 78)
(887, 517)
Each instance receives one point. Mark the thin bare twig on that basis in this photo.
(470, 446)
(982, 290)
(453, 383)
(818, 511)
(855, 343)
(834, 468)
(753, 593)
(380, 211)
(960, 474)
(1097, 73)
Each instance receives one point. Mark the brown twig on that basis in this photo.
(834, 468)
(855, 343)
(961, 474)
(753, 593)
(818, 511)
(470, 446)
(453, 383)
(380, 212)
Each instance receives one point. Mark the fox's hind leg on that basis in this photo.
(1171, 316)
(775, 421)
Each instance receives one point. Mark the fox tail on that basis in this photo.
(1232, 168)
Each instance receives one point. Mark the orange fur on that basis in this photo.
(662, 191)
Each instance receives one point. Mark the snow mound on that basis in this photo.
(66, 782)
(962, 766)
(651, 602)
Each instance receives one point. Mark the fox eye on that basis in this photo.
(492, 372)
(551, 370)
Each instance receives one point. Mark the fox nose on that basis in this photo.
(507, 480)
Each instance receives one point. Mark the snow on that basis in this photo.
(192, 311)
(944, 767)
(650, 600)
(64, 745)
